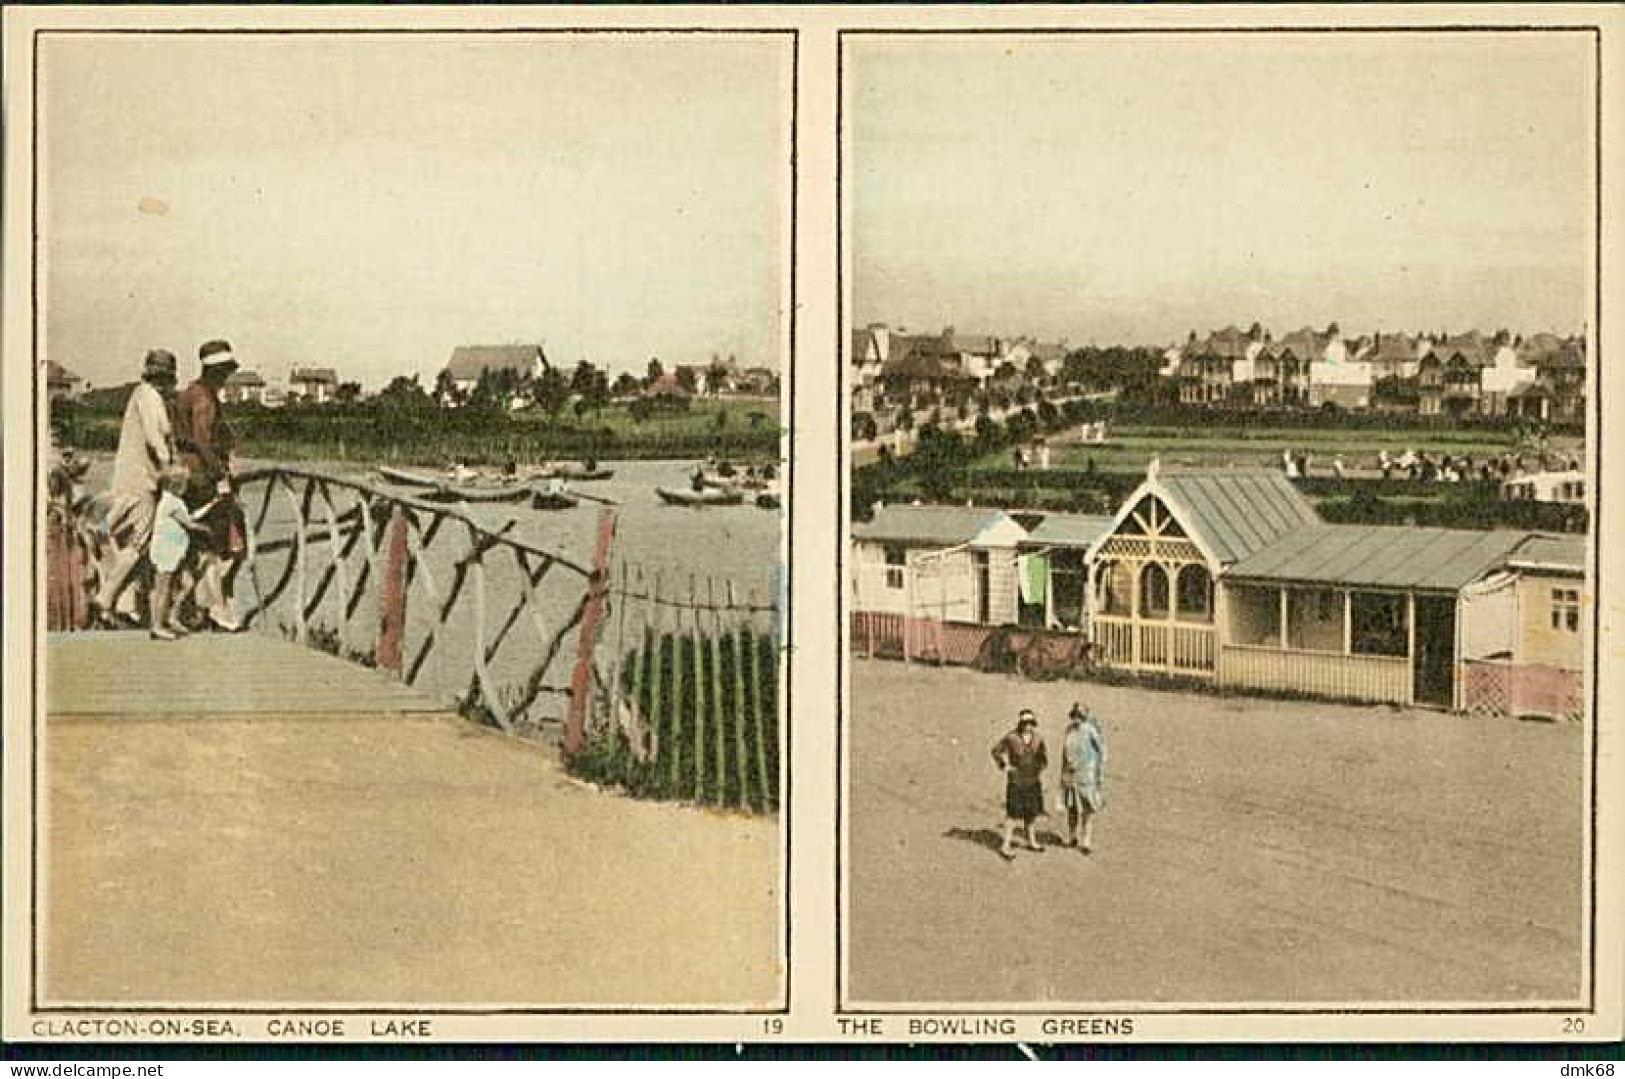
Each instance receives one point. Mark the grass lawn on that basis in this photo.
(1131, 448)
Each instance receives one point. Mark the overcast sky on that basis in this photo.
(1134, 188)
(369, 203)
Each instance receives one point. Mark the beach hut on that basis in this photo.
(1524, 632)
(921, 571)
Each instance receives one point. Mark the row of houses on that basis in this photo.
(317, 384)
(720, 378)
(462, 373)
(1229, 576)
(896, 366)
(1539, 377)
(314, 385)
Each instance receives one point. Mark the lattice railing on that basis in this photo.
(452, 600)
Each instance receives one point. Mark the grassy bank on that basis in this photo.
(370, 431)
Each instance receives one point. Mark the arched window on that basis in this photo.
(1195, 592)
(1113, 587)
(1153, 591)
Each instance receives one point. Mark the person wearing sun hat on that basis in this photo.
(205, 442)
(145, 450)
(1021, 756)
(1083, 775)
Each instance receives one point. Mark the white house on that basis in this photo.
(318, 385)
(242, 387)
(1338, 376)
(871, 348)
(469, 362)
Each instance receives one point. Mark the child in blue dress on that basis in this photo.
(171, 539)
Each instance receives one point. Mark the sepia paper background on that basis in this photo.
(816, 396)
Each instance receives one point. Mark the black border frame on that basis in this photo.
(786, 754)
(843, 1005)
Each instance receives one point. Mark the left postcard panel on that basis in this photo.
(411, 488)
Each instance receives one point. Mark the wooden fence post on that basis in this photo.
(717, 714)
(699, 692)
(619, 587)
(392, 595)
(639, 669)
(649, 722)
(736, 647)
(763, 723)
(575, 718)
(674, 721)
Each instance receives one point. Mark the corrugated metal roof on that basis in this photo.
(1236, 511)
(1380, 556)
(1071, 529)
(944, 526)
(1541, 549)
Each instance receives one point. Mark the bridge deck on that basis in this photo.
(237, 820)
(210, 674)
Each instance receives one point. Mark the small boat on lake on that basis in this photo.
(408, 479)
(574, 470)
(705, 496)
(448, 492)
(738, 480)
(553, 500)
(730, 475)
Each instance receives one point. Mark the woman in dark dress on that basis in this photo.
(1022, 758)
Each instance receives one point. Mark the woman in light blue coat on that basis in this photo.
(1083, 775)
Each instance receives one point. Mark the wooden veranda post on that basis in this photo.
(575, 718)
(392, 595)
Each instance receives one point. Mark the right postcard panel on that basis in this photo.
(1218, 565)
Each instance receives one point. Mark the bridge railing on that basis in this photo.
(427, 593)
(678, 679)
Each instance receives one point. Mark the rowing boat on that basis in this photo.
(573, 470)
(446, 492)
(553, 500)
(408, 479)
(709, 496)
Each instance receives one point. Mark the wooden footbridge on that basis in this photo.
(432, 603)
(362, 600)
